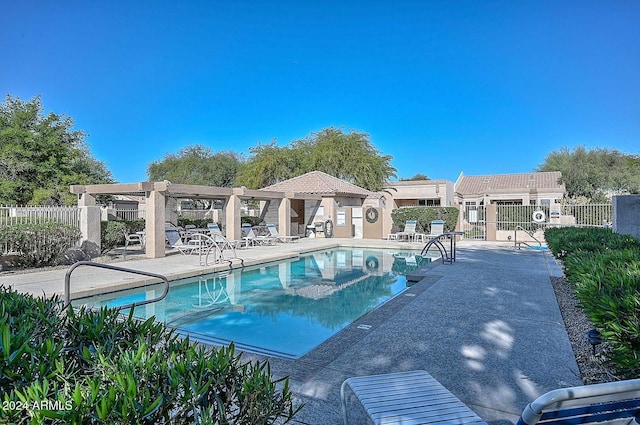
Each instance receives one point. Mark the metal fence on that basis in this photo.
(589, 215)
(127, 214)
(508, 217)
(14, 215)
(11, 215)
(474, 222)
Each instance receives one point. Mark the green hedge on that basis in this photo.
(112, 232)
(604, 268)
(39, 244)
(424, 216)
(97, 367)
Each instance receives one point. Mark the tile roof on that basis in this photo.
(473, 185)
(319, 183)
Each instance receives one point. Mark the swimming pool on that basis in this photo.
(284, 308)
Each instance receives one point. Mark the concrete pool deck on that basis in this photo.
(487, 327)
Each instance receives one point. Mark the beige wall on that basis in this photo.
(372, 230)
(346, 230)
(523, 197)
(408, 193)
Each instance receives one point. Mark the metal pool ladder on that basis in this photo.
(517, 244)
(67, 282)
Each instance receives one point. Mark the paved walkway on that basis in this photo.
(487, 327)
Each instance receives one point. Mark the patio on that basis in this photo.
(487, 327)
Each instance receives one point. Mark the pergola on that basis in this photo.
(157, 194)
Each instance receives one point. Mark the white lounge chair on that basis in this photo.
(251, 239)
(413, 397)
(220, 239)
(436, 231)
(280, 238)
(409, 232)
(175, 241)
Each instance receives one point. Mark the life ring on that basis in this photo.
(372, 263)
(372, 215)
(328, 229)
(539, 216)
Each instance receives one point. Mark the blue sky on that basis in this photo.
(483, 87)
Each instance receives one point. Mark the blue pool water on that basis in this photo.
(285, 308)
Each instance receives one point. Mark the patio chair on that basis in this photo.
(280, 238)
(408, 233)
(133, 237)
(175, 241)
(608, 403)
(220, 239)
(436, 231)
(251, 239)
(413, 397)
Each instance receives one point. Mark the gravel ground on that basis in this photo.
(593, 368)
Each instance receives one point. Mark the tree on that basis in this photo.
(349, 156)
(197, 165)
(41, 155)
(270, 164)
(416, 177)
(593, 174)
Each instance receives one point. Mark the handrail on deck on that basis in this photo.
(67, 282)
(435, 241)
(515, 237)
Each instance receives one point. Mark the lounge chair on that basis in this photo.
(280, 238)
(251, 239)
(220, 239)
(175, 241)
(608, 403)
(436, 231)
(407, 234)
(413, 397)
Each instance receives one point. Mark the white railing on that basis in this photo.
(13, 215)
(195, 214)
(130, 215)
(589, 215)
(10, 215)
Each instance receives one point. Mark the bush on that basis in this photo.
(112, 232)
(39, 244)
(200, 223)
(254, 221)
(564, 240)
(604, 268)
(424, 216)
(92, 367)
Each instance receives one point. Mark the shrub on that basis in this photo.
(604, 268)
(91, 367)
(564, 240)
(254, 221)
(200, 223)
(39, 244)
(112, 232)
(424, 216)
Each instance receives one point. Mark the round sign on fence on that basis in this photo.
(538, 216)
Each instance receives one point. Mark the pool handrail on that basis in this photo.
(516, 244)
(447, 257)
(67, 282)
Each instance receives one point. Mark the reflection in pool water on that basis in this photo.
(285, 308)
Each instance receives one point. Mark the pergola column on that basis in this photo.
(284, 217)
(232, 217)
(89, 224)
(155, 218)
